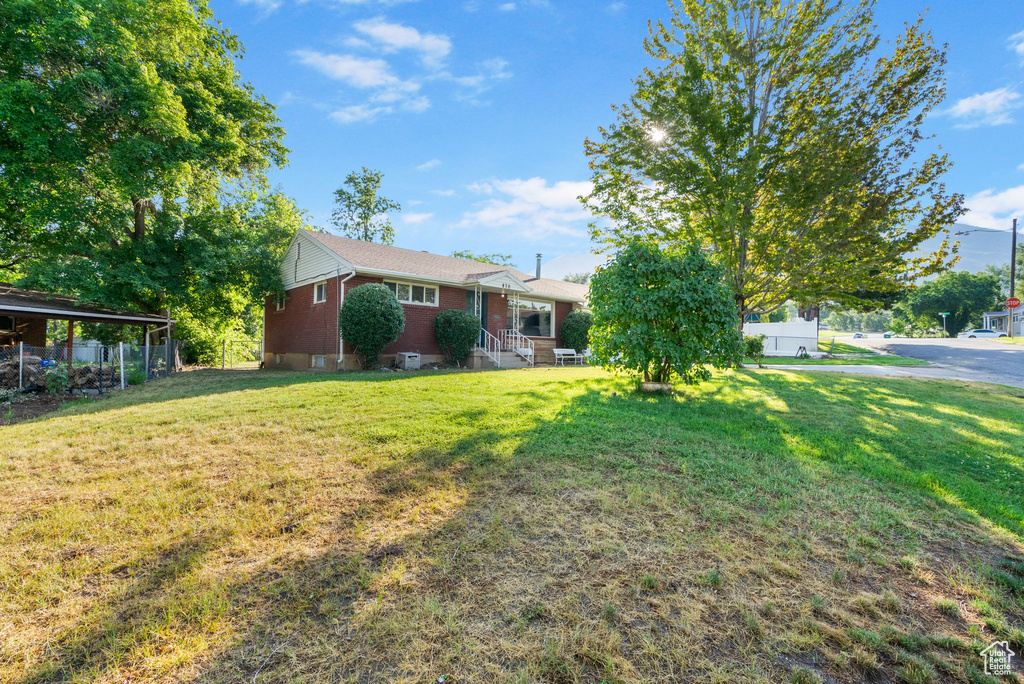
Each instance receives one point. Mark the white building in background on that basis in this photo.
(786, 339)
(998, 321)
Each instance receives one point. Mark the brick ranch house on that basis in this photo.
(521, 315)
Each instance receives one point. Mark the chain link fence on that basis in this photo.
(95, 369)
(241, 354)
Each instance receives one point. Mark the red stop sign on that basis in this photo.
(1012, 303)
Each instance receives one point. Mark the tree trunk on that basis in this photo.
(139, 206)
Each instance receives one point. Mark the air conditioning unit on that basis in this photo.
(408, 360)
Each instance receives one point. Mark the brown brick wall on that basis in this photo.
(31, 330)
(303, 327)
(419, 319)
(307, 328)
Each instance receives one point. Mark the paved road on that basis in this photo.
(954, 358)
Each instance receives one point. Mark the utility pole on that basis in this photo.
(1013, 273)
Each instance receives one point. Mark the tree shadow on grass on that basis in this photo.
(145, 601)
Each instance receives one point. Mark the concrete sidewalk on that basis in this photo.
(935, 372)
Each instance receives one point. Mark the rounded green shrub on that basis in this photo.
(371, 319)
(456, 332)
(753, 348)
(576, 330)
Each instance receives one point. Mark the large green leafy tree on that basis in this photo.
(964, 295)
(496, 259)
(660, 314)
(781, 135)
(133, 157)
(361, 211)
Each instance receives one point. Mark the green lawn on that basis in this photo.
(544, 525)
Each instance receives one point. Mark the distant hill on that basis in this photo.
(978, 249)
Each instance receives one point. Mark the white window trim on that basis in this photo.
(314, 364)
(315, 287)
(436, 288)
(280, 303)
(554, 308)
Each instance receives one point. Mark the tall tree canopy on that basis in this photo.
(496, 259)
(780, 135)
(133, 157)
(964, 296)
(362, 213)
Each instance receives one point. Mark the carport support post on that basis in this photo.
(167, 347)
(21, 366)
(145, 358)
(120, 356)
(69, 348)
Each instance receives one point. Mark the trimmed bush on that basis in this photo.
(576, 330)
(662, 314)
(753, 348)
(456, 332)
(371, 319)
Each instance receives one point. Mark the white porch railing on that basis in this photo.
(491, 347)
(515, 341)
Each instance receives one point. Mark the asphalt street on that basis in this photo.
(953, 359)
(1002, 363)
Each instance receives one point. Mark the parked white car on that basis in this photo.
(981, 332)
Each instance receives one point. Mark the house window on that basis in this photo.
(319, 361)
(407, 293)
(320, 292)
(278, 359)
(535, 318)
(280, 302)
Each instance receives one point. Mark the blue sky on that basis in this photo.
(476, 110)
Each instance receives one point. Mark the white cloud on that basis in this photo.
(991, 209)
(427, 165)
(357, 113)
(507, 7)
(413, 218)
(986, 109)
(389, 92)
(416, 104)
(1020, 167)
(616, 6)
(356, 71)
(532, 208)
(433, 48)
(488, 72)
(1016, 43)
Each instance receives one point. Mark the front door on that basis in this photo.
(471, 307)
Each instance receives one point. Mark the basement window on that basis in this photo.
(319, 361)
(320, 292)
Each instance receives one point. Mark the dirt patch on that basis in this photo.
(37, 405)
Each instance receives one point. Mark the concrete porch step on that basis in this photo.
(509, 359)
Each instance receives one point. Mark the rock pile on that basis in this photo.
(34, 375)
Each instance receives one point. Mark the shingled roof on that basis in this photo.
(376, 257)
(16, 301)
